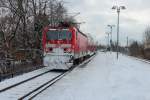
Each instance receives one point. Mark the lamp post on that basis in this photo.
(111, 28)
(118, 8)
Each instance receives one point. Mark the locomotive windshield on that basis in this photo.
(59, 35)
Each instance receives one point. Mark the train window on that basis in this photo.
(59, 35)
(52, 35)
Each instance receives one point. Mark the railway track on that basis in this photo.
(19, 83)
(46, 85)
(30, 88)
(43, 87)
(142, 60)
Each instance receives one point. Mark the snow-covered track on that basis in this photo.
(143, 60)
(32, 94)
(34, 87)
(139, 59)
(19, 83)
(42, 87)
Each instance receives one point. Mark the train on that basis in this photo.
(65, 45)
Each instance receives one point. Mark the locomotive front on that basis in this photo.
(58, 48)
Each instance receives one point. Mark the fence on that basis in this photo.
(23, 61)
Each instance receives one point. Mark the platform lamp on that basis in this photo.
(118, 8)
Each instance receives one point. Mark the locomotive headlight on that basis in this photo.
(67, 50)
(71, 57)
(48, 50)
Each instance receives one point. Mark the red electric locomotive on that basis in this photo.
(64, 46)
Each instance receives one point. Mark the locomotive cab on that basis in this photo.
(58, 48)
(58, 39)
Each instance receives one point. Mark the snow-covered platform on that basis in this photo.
(104, 78)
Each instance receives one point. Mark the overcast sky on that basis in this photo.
(98, 14)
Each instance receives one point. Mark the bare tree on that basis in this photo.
(147, 37)
(22, 26)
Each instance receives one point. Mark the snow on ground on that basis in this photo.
(21, 90)
(22, 77)
(104, 78)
